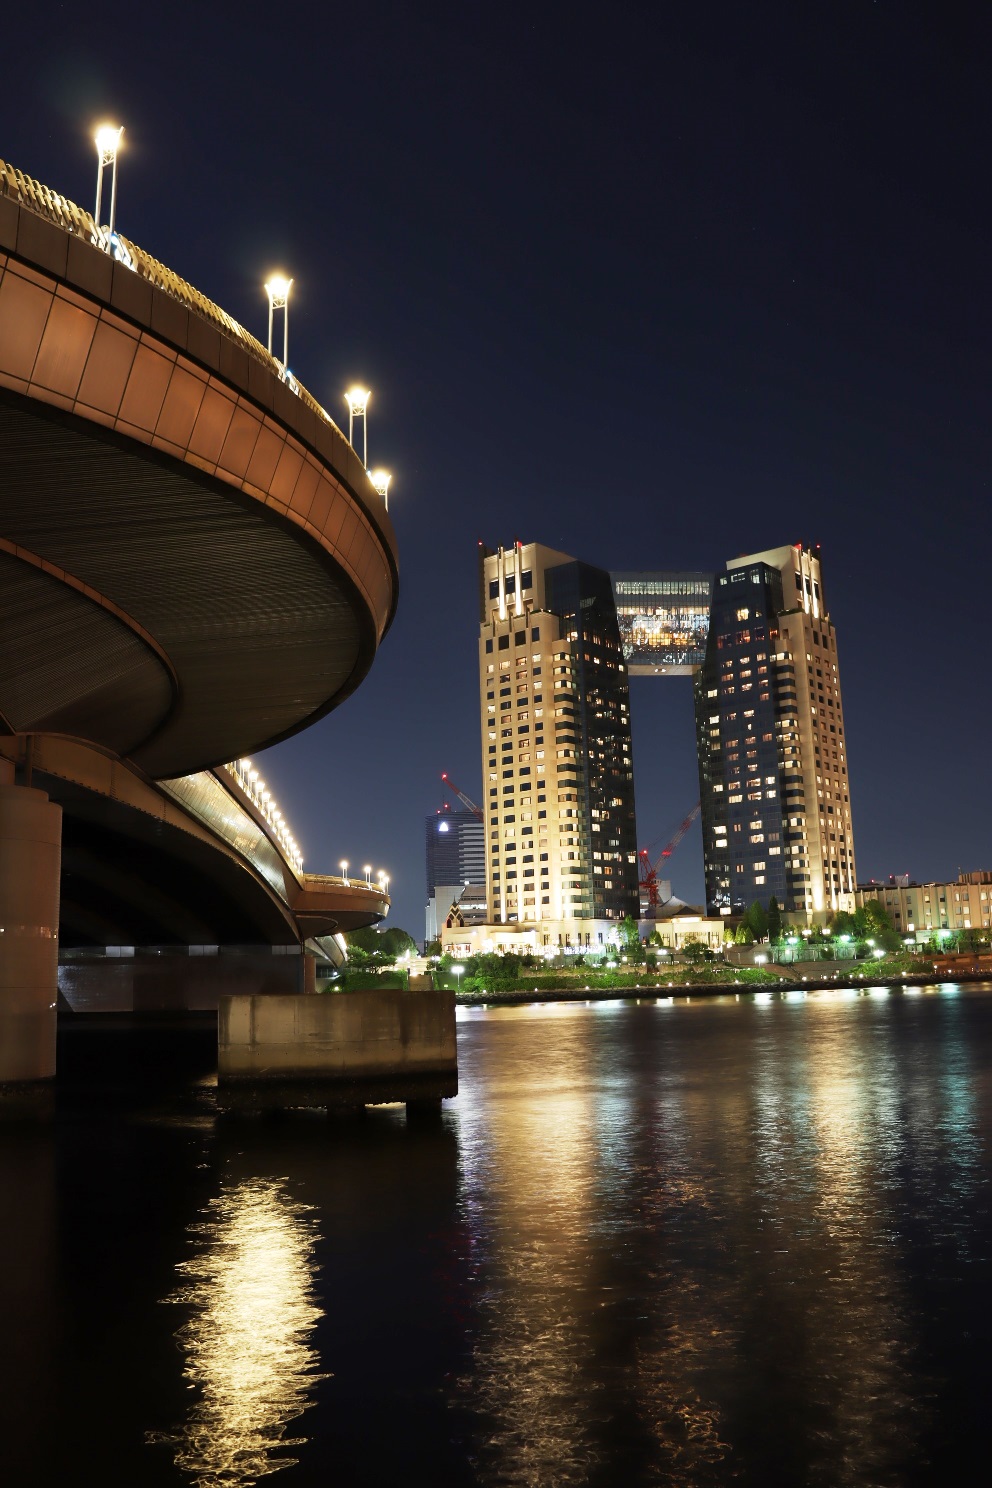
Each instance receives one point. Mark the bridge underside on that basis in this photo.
(129, 879)
(154, 572)
(194, 564)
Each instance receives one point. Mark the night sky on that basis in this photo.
(653, 284)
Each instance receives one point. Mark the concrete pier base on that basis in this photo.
(30, 862)
(337, 1050)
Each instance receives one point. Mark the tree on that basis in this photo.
(396, 942)
(774, 920)
(362, 960)
(872, 923)
(745, 935)
(630, 940)
(694, 950)
(386, 944)
(366, 939)
(757, 920)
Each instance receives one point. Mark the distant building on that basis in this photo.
(468, 908)
(455, 849)
(923, 909)
(687, 927)
(561, 849)
(773, 768)
(455, 857)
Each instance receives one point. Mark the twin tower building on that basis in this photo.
(558, 642)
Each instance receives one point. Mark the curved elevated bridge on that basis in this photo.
(194, 565)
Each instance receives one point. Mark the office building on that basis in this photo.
(455, 856)
(773, 771)
(455, 849)
(561, 851)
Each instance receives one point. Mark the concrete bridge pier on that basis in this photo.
(30, 862)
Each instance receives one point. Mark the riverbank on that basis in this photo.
(654, 990)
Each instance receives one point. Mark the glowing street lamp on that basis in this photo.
(459, 972)
(357, 399)
(277, 288)
(108, 140)
(367, 870)
(344, 869)
(380, 479)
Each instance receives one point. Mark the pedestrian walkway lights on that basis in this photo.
(108, 140)
(277, 288)
(357, 399)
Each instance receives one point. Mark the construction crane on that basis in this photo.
(648, 871)
(465, 800)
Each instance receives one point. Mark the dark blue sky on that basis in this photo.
(654, 284)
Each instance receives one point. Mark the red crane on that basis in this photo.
(649, 870)
(466, 800)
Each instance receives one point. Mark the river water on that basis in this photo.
(734, 1241)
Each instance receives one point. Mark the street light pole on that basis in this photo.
(277, 288)
(380, 480)
(357, 399)
(108, 139)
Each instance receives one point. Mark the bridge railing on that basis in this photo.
(66, 214)
(320, 881)
(254, 787)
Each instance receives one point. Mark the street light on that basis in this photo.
(344, 869)
(367, 870)
(277, 288)
(357, 399)
(459, 971)
(108, 140)
(380, 479)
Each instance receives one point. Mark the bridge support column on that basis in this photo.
(30, 860)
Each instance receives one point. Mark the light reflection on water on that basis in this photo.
(698, 1238)
(250, 1287)
(728, 1241)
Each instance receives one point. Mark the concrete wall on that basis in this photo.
(147, 982)
(345, 1036)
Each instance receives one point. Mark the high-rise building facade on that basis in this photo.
(456, 857)
(773, 775)
(455, 849)
(561, 851)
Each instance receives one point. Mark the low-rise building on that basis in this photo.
(921, 909)
(687, 928)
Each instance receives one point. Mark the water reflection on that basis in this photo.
(250, 1288)
(575, 1372)
(699, 1237)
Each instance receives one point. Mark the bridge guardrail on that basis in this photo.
(64, 213)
